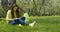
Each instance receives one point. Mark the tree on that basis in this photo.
(4, 4)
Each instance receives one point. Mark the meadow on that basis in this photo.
(43, 24)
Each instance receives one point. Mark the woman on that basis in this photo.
(14, 18)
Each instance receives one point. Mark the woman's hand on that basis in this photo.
(14, 19)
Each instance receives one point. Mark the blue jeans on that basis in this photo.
(18, 21)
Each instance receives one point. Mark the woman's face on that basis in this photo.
(15, 8)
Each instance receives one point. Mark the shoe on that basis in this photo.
(19, 24)
(32, 24)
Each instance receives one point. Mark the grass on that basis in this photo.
(43, 24)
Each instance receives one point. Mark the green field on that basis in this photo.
(43, 24)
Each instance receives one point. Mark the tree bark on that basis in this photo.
(4, 4)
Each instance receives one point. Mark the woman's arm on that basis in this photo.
(8, 17)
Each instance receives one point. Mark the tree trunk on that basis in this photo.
(4, 4)
(12, 1)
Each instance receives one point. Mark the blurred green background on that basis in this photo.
(33, 7)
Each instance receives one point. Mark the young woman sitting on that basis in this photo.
(14, 18)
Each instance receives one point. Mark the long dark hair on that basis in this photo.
(12, 10)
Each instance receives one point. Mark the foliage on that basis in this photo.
(0, 8)
(40, 7)
(35, 7)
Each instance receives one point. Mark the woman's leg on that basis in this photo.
(19, 21)
(12, 22)
(22, 21)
